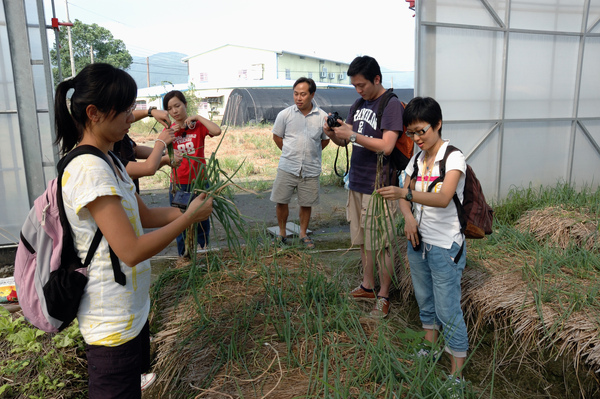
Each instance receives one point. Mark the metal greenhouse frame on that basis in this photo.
(27, 156)
(519, 87)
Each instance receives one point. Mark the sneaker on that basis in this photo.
(147, 380)
(382, 308)
(425, 352)
(456, 387)
(360, 294)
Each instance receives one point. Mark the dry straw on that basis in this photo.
(561, 227)
(496, 292)
(275, 368)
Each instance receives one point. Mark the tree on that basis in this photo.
(85, 37)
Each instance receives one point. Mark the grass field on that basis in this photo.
(253, 148)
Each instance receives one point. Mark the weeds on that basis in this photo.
(292, 332)
(254, 149)
(519, 200)
(34, 364)
(567, 278)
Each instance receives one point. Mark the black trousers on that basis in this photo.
(115, 371)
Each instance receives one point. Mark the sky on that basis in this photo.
(336, 30)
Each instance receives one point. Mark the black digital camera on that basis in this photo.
(181, 199)
(332, 120)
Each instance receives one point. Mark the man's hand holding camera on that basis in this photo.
(337, 130)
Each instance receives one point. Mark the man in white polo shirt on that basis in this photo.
(298, 132)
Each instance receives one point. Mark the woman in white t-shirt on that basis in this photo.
(95, 108)
(436, 248)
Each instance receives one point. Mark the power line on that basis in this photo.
(163, 65)
(146, 51)
(101, 15)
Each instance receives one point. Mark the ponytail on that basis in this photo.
(67, 133)
(111, 90)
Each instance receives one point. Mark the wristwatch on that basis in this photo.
(353, 138)
(408, 194)
(150, 110)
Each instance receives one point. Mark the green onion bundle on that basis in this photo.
(378, 212)
(216, 183)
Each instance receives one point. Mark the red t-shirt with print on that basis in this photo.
(189, 142)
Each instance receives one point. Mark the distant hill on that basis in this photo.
(398, 79)
(164, 67)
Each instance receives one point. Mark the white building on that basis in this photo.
(215, 73)
(236, 63)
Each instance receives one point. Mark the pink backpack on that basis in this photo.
(49, 276)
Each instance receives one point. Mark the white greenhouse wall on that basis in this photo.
(519, 87)
(27, 156)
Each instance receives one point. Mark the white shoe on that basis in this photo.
(147, 380)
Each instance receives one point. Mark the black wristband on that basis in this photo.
(150, 110)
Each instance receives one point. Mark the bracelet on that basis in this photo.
(162, 141)
(150, 110)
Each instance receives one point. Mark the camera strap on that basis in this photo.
(335, 170)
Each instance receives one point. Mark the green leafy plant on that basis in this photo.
(39, 365)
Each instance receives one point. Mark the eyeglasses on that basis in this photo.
(418, 132)
(131, 109)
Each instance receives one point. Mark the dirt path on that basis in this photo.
(328, 219)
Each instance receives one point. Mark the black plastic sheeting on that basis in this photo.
(252, 106)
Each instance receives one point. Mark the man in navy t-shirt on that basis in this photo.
(369, 145)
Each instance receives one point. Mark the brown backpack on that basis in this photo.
(475, 215)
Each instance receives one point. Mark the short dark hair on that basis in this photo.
(424, 109)
(312, 86)
(170, 95)
(365, 66)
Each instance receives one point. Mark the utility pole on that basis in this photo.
(56, 37)
(70, 41)
(56, 28)
(148, 70)
(91, 53)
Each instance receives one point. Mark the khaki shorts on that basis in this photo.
(286, 183)
(368, 229)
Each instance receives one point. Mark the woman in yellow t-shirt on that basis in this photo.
(95, 108)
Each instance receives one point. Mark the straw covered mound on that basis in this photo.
(497, 290)
(515, 293)
(499, 296)
(561, 227)
(187, 356)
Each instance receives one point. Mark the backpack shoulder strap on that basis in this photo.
(80, 150)
(386, 97)
(62, 164)
(459, 208)
(449, 150)
(416, 167)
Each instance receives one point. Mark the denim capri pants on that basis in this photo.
(436, 280)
